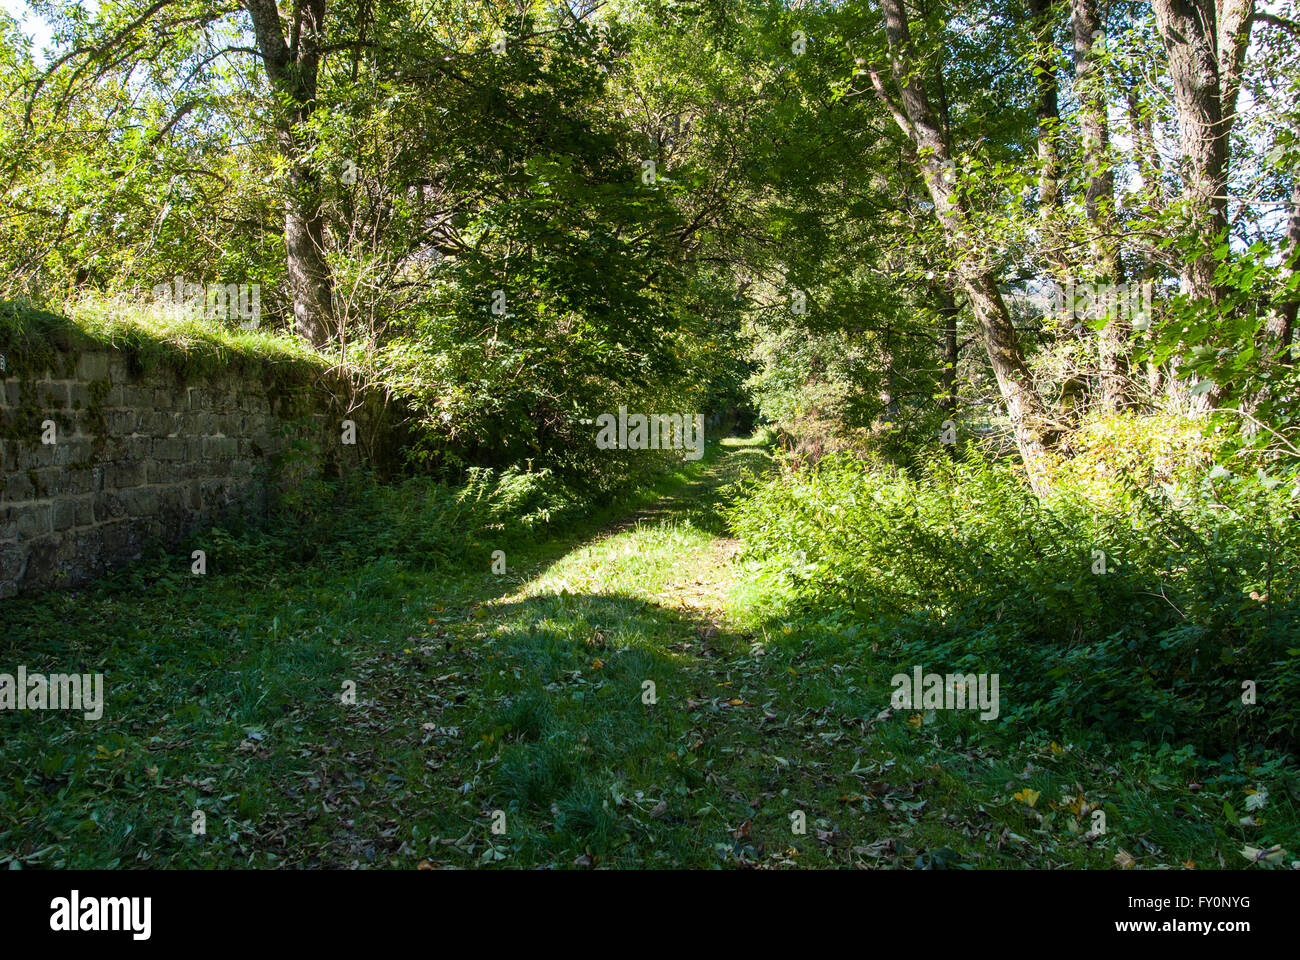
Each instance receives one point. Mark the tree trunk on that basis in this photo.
(1099, 198)
(310, 281)
(1030, 424)
(1046, 108)
(1191, 35)
(1280, 325)
(949, 310)
(1149, 170)
(1206, 42)
(1235, 20)
(1145, 154)
(293, 72)
(1047, 111)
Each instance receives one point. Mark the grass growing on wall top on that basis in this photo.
(34, 341)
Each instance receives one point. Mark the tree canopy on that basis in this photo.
(863, 214)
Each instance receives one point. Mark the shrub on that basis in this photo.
(956, 565)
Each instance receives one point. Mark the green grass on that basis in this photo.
(521, 699)
(33, 341)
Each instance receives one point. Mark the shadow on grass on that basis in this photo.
(224, 696)
(592, 720)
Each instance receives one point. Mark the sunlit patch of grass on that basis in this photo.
(638, 561)
(114, 320)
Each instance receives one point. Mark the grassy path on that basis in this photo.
(617, 698)
(623, 705)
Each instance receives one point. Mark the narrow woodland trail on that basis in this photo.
(624, 703)
(622, 696)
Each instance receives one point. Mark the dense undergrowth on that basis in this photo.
(1144, 598)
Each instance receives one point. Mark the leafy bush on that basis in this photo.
(958, 567)
(417, 523)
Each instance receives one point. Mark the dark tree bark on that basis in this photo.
(293, 68)
(1205, 42)
(1047, 110)
(950, 311)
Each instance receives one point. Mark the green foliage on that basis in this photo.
(960, 569)
(417, 523)
(31, 339)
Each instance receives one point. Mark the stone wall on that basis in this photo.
(148, 456)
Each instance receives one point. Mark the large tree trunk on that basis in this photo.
(1093, 128)
(1235, 20)
(1030, 424)
(310, 280)
(293, 71)
(1099, 198)
(1206, 43)
(1047, 111)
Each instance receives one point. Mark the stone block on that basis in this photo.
(64, 513)
(34, 520)
(142, 502)
(93, 366)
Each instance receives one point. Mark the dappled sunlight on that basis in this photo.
(642, 556)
